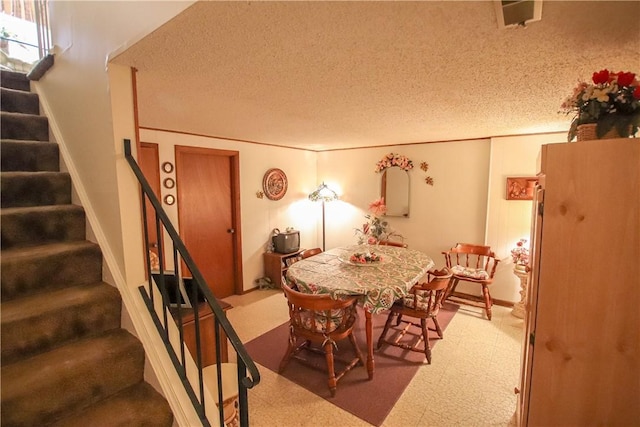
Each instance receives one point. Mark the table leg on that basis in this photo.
(369, 330)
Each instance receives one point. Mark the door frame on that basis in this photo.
(156, 186)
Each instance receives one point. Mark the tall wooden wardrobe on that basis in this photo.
(581, 358)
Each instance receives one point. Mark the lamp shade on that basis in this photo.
(324, 194)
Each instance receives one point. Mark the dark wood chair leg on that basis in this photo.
(385, 330)
(425, 336)
(487, 300)
(333, 382)
(438, 328)
(352, 339)
(291, 348)
(451, 288)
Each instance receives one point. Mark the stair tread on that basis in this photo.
(22, 375)
(16, 114)
(51, 301)
(139, 404)
(14, 254)
(32, 173)
(26, 141)
(46, 208)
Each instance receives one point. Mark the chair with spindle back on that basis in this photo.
(321, 320)
(475, 264)
(423, 302)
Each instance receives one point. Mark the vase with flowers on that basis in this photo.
(610, 103)
(376, 228)
(520, 255)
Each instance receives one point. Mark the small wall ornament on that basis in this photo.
(425, 167)
(391, 159)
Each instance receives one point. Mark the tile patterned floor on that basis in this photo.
(470, 382)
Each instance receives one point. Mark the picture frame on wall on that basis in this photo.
(520, 187)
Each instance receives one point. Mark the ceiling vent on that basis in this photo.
(517, 13)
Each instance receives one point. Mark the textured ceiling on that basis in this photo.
(329, 75)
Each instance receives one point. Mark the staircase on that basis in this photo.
(65, 359)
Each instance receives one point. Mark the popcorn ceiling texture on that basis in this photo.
(329, 75)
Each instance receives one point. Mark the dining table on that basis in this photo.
(379, 283)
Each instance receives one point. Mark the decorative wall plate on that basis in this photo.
(274, 184)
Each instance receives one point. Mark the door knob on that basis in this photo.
(154, 245)
(231, 231)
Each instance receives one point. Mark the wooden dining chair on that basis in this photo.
(309, 252)
(319, 319)
(392, 243)
(422, 303)
(475, 264)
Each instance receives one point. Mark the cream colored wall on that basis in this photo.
(77, 91)
(452, 210)
(258, 216)
(510, 220)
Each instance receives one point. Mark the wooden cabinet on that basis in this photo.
(207, 333)
(581, 358)
(276, 265)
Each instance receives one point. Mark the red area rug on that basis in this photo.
(370, 400)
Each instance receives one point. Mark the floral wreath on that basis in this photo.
(391, 159)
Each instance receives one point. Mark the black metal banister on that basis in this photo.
(247, 372)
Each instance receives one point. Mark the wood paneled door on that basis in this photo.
(208, 192)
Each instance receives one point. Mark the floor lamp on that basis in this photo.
(323, 194)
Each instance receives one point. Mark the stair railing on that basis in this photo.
(199, 294)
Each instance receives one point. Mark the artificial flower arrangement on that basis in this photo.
(365, 257)
(613, 99)
(403, 162)
(520, 254)
(376, 228)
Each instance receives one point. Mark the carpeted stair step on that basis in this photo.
(41, 224)
(14, 80)
(24, 126)
(33, 156)
(139, 405)
(34, 189)
(48, 267)
(18, 101)
(42, 389)
(37, 323)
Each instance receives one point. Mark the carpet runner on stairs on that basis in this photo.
(66, 361)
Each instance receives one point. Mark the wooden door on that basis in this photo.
(150, 165)
(207, 183)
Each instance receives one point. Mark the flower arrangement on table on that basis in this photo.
(520, 254)
(612, 100)
(365, 257)
(403, 162)
(376, 228)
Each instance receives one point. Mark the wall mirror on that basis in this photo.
(395, 190)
